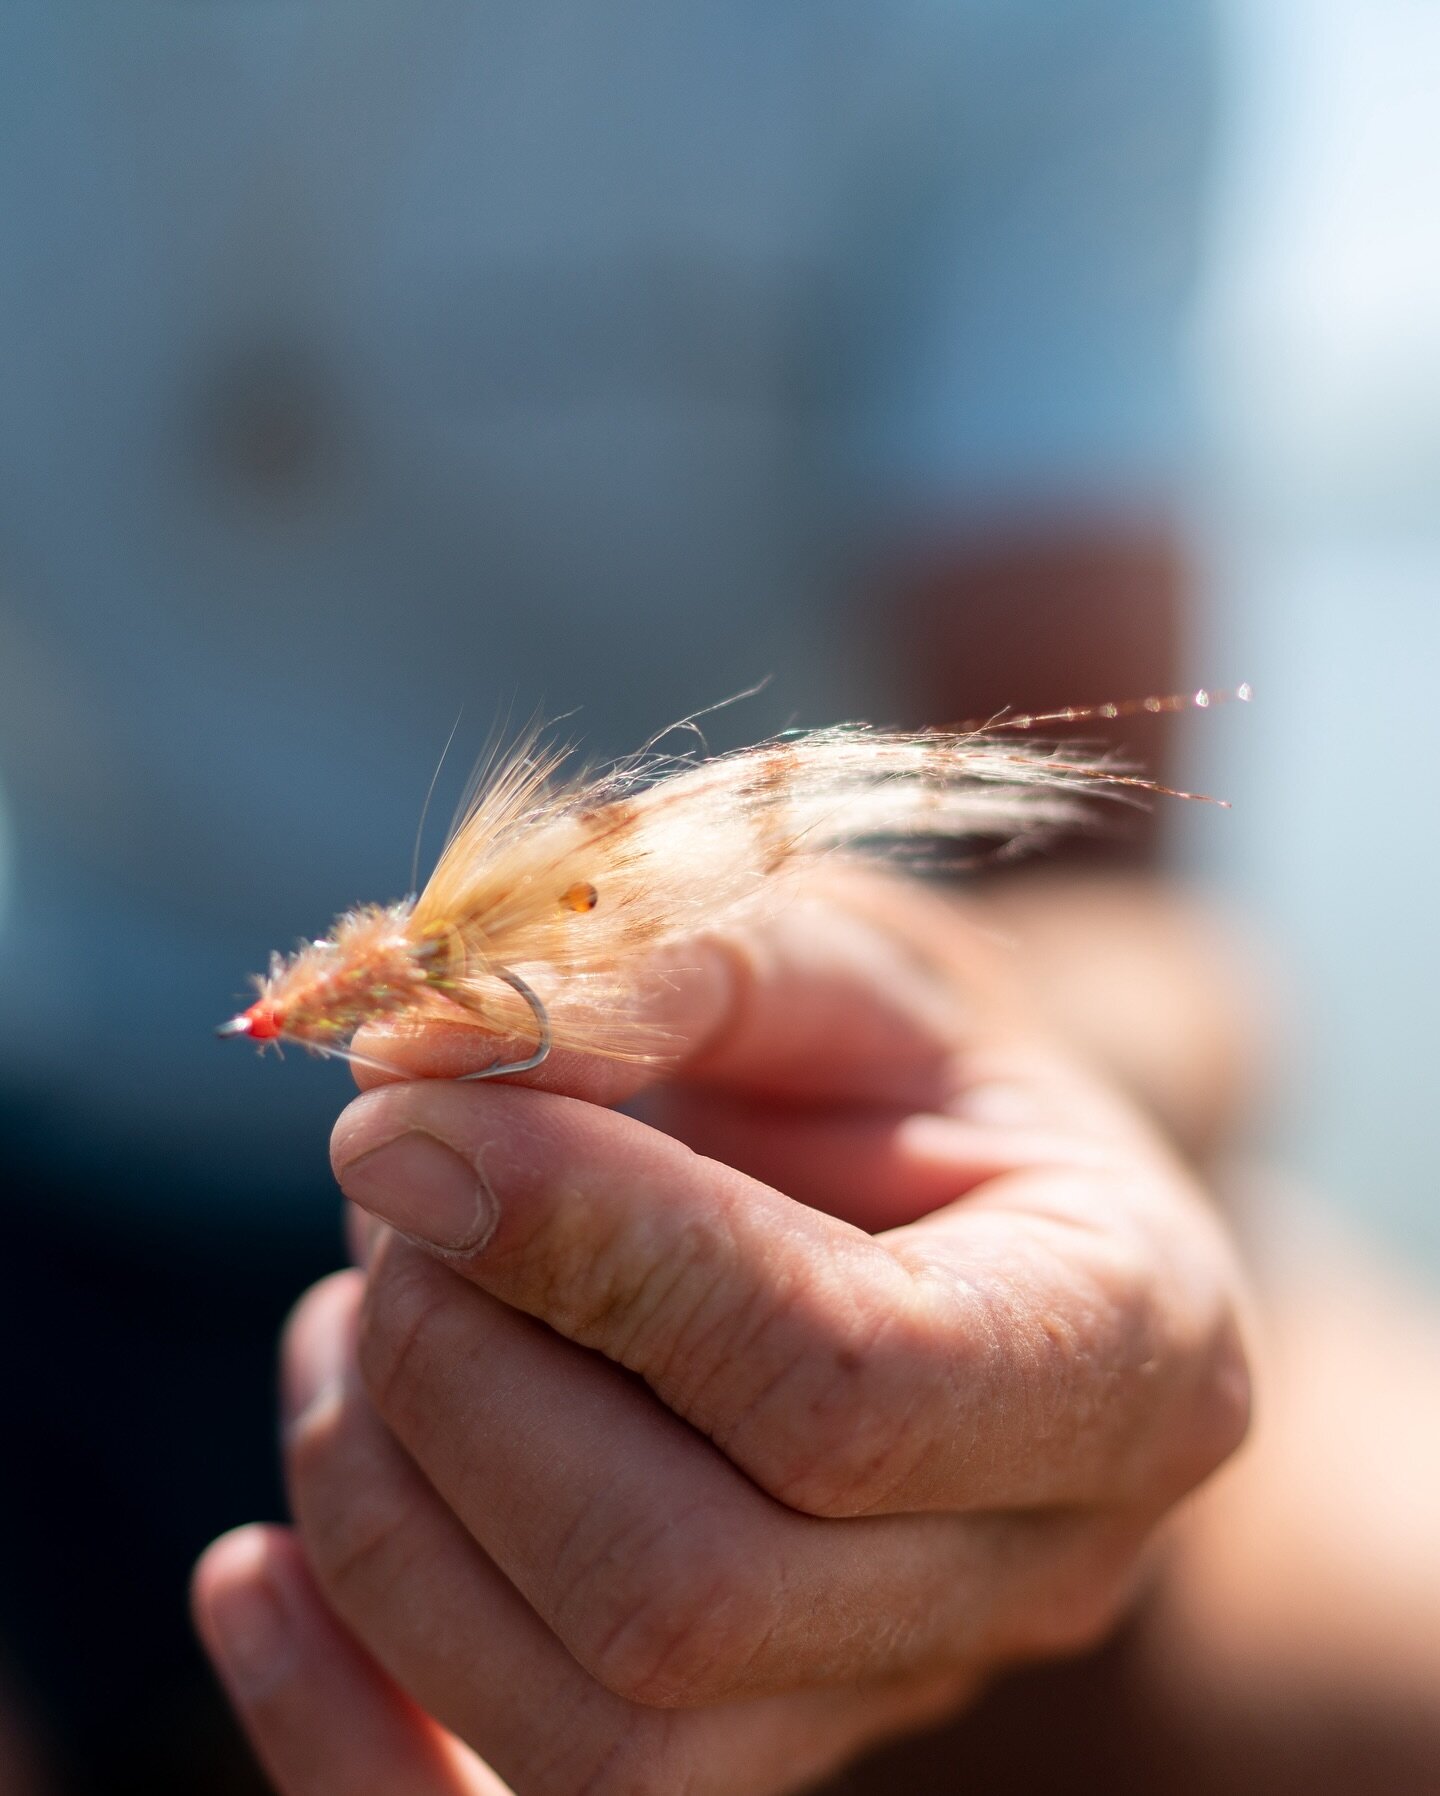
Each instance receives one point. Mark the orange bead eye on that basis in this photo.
(581, 897)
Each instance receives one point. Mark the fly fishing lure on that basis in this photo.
(551, 893)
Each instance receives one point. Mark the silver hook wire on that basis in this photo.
(542, 1031)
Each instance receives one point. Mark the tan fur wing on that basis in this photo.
(575, 885)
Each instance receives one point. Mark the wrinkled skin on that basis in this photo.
(695, 1453)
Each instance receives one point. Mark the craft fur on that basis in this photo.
(551, 894)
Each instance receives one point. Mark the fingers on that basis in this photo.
(1088, 1309)
(1110, 1296)
(411, 1584)
(663, 1570)
(840, 995)
(755, 1319)
(398, 1568)
(881, 1168)
(322, 1716)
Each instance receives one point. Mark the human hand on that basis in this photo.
(646, 1477)
(1162, 991)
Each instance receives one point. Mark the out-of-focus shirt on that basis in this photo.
(359, 363)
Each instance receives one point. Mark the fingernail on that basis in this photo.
(424, 1189)
(250, 1633)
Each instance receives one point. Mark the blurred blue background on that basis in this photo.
(1317, 350)
(366, 363)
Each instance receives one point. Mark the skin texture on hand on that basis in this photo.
(694, 1453)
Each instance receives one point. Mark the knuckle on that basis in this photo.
(836, 1473)
(1186, 1320)
(847, 1425)
(1199, 1408)
(314, 1459)
(354, 1527)
(1078, 1602)
(360, 1550)
(667, 1613)
(1077, 1615)
(397, 1343)
(1220, 1414)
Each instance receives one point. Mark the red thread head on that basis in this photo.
(264, 1021)
(261, 1022)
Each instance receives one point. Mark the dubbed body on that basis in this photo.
(368, 968)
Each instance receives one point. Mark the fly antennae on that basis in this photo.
(327, 1051)
(1107, 778)
(1128, 707)
(425, 808)
(692, 722)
